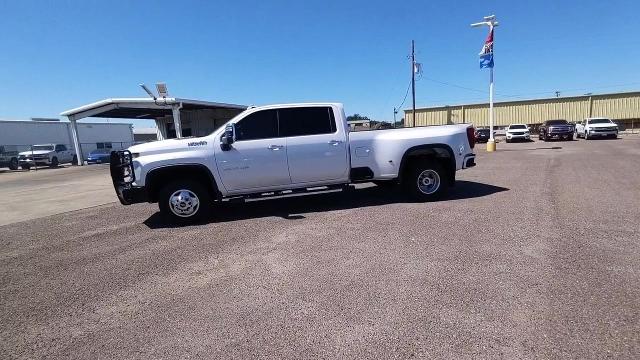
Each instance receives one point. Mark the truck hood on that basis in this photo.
(36, 152)
(170, 146)
(596, 126)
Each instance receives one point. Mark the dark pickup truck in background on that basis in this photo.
(560, 129)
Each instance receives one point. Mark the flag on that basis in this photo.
(486, 54)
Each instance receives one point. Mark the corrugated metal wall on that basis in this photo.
(619, 106)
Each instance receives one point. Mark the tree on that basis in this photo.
(356, 117)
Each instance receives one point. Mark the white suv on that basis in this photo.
(518, 132)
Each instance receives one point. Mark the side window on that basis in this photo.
(259, 125)
(108, 145)
(307, 121)
(61, 148)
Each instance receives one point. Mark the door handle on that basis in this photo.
(275, 147)
(335, 142)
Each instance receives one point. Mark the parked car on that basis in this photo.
(518, 132)
(99, 156)
(9, 156)
(482, 135)
(596, 127)
(288, 149)
(46, 154)
(560, 129)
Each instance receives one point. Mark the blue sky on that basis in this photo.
(58, 55)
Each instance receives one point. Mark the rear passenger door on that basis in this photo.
(316, 145)
(62, 154)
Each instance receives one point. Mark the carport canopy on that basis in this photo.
(138, 108)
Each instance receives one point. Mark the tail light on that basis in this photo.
(471, 136)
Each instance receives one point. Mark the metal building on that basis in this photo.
(19, 135)
(624, 108)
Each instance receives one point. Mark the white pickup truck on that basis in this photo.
(287, 149)
(47, 154)
(596, 127)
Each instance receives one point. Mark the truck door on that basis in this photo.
(258, 157)
(60, 153)
(316, 144)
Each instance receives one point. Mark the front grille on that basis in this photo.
(605, 129)
(517, 133)
(122, 167)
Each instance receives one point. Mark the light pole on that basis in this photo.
(486, 60)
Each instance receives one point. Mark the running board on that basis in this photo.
(287, 193)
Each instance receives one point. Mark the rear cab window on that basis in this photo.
(303, 121)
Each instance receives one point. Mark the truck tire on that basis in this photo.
(426, 181)
(74, 160)
(13, 164)
(25, 167)
(54, 162)
(184, 202)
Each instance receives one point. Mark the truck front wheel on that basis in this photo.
(184, 202)
(426, 181)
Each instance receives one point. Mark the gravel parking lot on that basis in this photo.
(536, 254)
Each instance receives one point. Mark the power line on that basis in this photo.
(550, 92)
(405, 96)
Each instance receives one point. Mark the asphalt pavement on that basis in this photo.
(31, 194)
(535, 254)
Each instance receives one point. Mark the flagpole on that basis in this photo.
(491, 22)
(491, 139)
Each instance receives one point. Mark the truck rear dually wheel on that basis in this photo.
(426, 181)
(184, 202)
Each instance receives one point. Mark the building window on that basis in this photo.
(104, 145)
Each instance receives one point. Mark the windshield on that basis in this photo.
(43, 147)
(557, 122)
(599, 121)
(518, 127)
(483, 131)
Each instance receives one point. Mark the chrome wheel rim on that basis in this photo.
(428, 182)
(184, 203)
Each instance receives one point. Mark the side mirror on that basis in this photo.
(228, 137)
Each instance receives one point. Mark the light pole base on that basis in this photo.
(491, 145)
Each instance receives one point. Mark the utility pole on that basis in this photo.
(557, 93)
(413, 80)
